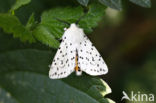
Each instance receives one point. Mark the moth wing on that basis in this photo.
(64, 61)
(89, 59)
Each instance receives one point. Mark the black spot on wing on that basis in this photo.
(93, 59)
(62, 62)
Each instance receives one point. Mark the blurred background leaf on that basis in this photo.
(143, 3)
(18, 4)
(115, 4)
(83, 2)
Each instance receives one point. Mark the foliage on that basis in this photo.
(11, 24)
(50, 28)
(83, 2)
(117, 4)
(24, 71)
(18, 4)
(143, 3)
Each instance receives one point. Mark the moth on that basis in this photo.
(76, 53)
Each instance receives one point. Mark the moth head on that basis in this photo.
(73, 25)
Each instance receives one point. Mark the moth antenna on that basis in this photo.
(77, 22)
(65, 22)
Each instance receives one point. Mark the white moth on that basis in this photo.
(76, 53)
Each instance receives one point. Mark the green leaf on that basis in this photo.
(143, 3)
(115, 4)
(43, 34)
(8, 43)
(83, 2)
(53, 21)
(50, 29)
(31, 22)
(24, 79)
(18, 4)
(53, 18)
(91, 19)
(11, 24)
